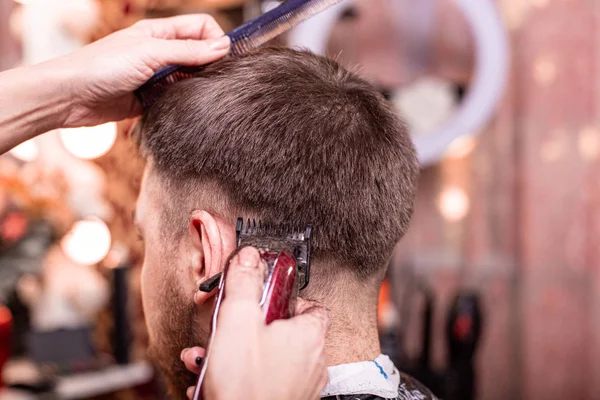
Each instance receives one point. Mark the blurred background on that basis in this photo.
(491, 294)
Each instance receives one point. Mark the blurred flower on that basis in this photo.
(38, 195)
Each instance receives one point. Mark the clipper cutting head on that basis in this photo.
(267, 237)
(264, 236)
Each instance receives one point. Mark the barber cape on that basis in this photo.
(373, 380)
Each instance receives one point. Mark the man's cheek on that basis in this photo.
(144, 281)
(149, 294)
(149, 277)
(146, 301)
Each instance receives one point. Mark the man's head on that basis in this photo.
(284, 136)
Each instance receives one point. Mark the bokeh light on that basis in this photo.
(88, 241)
(5, 316)
(462, 147)
(89, 143)
(553, 149)
(26, 151)
(589, 143)
(454, 204)
(539, 3)
(545, 71)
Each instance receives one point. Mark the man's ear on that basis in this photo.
(210, 244)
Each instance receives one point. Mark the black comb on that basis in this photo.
(259, 235)
(245, 38)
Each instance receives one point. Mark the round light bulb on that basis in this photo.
(454, 204)
(88, 241)
(26, 151)
(89, 143)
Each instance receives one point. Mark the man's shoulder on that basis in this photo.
(409, 389)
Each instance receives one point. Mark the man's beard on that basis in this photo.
(178, 329)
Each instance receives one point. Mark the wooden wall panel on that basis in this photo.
(556, 74)
(530, 241)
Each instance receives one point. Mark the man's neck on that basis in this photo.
(351, 339)
(352, 305)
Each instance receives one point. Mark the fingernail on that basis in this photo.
(182, 355)
(221, 43)
(246, 257)
(198, 361)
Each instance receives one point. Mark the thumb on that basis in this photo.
(244, 279)
(190, 52)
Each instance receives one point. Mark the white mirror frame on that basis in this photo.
(485, 91)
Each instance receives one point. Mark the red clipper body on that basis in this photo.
(287, 256)
(279, 290)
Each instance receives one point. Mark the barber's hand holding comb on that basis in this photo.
(105, 73)
(250, 360)
(95, 84)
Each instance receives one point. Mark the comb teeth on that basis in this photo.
(257, 228)
(160, 82)
(300, 245)
(272, 24)
(243, 39)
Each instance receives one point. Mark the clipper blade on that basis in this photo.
(265, 236)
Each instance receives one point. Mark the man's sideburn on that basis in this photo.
(178, 329)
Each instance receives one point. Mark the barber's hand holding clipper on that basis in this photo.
(252, 360)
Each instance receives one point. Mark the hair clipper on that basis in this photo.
(287, 257)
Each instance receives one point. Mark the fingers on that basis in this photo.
(192, 358)
(312, 315)
(243, 288)
(184, 40)
(324, 379)
(245, 277)
(312, 319)
(194, 26)
(189, 52)
(308, 328)
(190, 392)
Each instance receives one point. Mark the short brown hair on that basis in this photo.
(293, 138)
